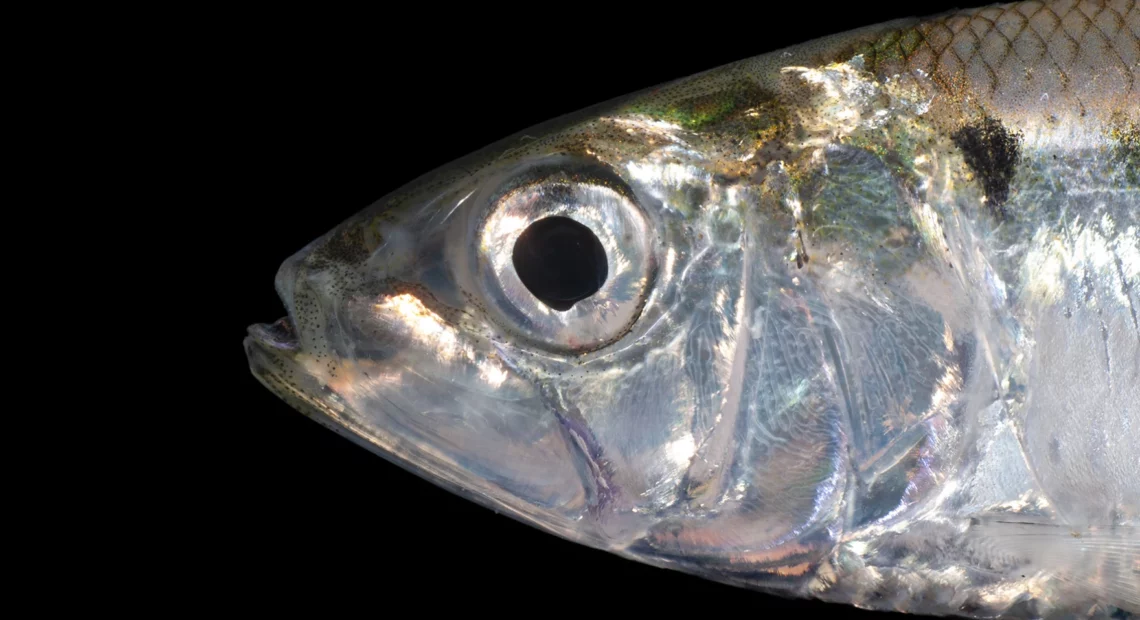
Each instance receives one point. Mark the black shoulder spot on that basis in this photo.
(992, 152)
(1125, 136)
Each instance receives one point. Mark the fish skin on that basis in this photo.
(887, 350)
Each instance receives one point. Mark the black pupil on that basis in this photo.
(560, 261)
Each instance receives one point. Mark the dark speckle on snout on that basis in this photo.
(344, 246)
(991, 151)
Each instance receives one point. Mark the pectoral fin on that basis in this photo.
(1103, 562)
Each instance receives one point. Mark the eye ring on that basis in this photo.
(604, 232)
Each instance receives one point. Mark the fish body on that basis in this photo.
(855, 320)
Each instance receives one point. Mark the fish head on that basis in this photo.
(779, 324)
(457, 327)
(627, 327)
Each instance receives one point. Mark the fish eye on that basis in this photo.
(565, 255)
(560, 261)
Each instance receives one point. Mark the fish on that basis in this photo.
(854, 320)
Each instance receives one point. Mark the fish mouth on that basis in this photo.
(277, 336)
(279, 362)
(276, 360)
(272, 350)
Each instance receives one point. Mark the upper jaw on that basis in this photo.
(284, 369)
(277, 336)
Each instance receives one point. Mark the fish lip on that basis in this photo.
(279, 336)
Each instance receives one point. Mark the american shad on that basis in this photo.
(855, 320)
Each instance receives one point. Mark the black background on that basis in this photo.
(316, 116)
